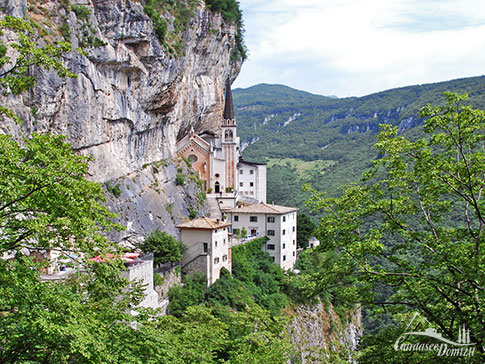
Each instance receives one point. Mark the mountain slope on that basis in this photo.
(291, 130)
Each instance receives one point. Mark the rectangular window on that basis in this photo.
(215, 243)
(293, 253)
(205, 247)
(251, 171)
(224, 242)
(253, 218)
(284, 232)
(236, 218)
(235, 231)
(293, 241)
(270, 246)
(284, 257)
(241, 184)
(216, 260)
(240, 171)
(251, 192)
(224, 257)
(273, 259)
(284, 218)
(251, 184)
(271, 233)
(293, 228)
(270, 218)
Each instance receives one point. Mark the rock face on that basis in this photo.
(319, 334)
(131, 100)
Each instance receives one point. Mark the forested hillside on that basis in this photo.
(327, 141)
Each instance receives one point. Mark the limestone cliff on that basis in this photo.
(319, 334)
(132, 98)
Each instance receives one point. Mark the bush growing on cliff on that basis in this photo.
(232, 13)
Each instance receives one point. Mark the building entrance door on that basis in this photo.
(217, 187)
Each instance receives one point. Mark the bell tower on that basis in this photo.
(230, 140)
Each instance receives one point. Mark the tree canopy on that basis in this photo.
(166, 248)
(409, 237)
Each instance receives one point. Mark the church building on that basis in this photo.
(216, 158)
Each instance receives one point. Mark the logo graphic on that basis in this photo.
(442, 346)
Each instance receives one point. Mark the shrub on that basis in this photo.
(82, 12)
(65, 30)
(180, 179)
(190, 295)
(114, 189)
(165, 247)
(192, 213)
(157, 279)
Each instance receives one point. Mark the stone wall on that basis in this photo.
(171, 277)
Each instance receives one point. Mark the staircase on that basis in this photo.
(215, 211)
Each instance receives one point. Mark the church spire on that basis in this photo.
(228, 107)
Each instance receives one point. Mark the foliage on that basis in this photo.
(181, 12)
(335, 135)
(261, 278)
(17, 56)
(65, 30)
(166, 248)
(227, 291)
(305, 230)
(81, 11)
(180, 179)
(192, 213)
(157, 279)
(45, 200)
(191, 294)
(231, 13)
(113, 189)
(160, 24)
(414, 227)
(52, 322)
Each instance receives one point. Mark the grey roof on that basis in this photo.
(204, 223)
(263, 208)
(228, 107)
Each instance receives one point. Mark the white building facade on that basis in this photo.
(208, 247)
(252, 181)
(278, 223)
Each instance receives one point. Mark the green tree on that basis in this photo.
(191, 294)
(305, 230)
(414, 227)
(166, 248)
(46, 202)
(18, 56)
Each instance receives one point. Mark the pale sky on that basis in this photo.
(358, 47)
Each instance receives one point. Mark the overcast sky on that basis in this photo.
(358, 47)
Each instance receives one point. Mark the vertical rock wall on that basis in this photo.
(132, 99)
(318, 334)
